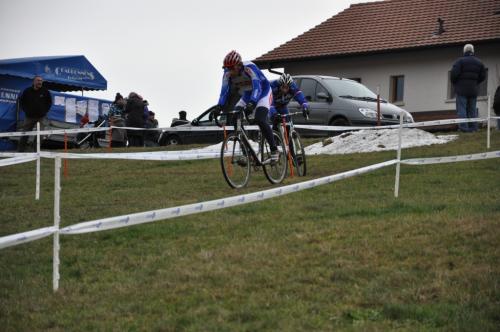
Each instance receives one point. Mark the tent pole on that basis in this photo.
(37, 181)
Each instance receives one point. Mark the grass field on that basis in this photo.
(341, 257)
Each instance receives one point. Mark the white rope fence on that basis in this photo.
(183, 210)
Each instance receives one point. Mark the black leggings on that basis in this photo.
(265, 128)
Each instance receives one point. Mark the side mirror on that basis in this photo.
(194, 122)
(323, 96)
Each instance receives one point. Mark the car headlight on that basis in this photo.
(407, 117)
(368, 112)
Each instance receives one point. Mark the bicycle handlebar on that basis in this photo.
(293, 113)
(235, 111)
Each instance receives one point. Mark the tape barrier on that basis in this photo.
(395, 126)
(442, 160)
(15, 239)
(215, 128)
(173, 212)
(54, 131)
(156, 215)
(17, 160)
(164, 156)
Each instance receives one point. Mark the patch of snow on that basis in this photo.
(367, 140)
(376, 140)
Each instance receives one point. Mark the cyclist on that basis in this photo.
(255, 93)
(284, 89)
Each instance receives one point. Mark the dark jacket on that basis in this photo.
(135, 112)
(496, 101)
(466, 74)
(36, 103)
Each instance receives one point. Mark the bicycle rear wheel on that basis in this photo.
(298, 154)
(276, 171)
(235, 162)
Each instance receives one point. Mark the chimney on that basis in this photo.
(440, 29)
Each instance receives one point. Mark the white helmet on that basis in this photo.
(285, 79)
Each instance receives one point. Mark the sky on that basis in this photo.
(170, 52)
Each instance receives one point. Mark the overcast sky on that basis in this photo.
(170, 52)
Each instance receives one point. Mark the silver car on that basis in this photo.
(337, 101)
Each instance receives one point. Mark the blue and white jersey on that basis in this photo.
(252, 85)
(281, 100)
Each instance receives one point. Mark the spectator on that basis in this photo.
(145, 112)
(35, 101)
(179, 121)
(134, 109)
(116, 118)
(118, 106)
(151, 136)
(466, 75)
(118, 136)
(496, 105)
(182, 115)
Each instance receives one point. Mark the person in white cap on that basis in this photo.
(466, 75)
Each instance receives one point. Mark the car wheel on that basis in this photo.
(173, 140)
(343, 122)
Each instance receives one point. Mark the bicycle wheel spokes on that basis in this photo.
(275, 172)
(298, 153)
(235, 162)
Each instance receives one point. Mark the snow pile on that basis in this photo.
(376, 140)
(364, 141)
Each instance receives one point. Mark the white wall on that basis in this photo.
(425, 72)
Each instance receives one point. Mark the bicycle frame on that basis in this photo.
(243, 156)
(242, 134)
(286, 130)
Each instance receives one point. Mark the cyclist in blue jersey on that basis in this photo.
(255, 92)
(284, 89)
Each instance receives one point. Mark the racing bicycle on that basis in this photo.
(239, 154)
(295, 150)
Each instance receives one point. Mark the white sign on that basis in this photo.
(81, 107)
(59, 101)
(105, 108)
(70, 109)
(93, 106)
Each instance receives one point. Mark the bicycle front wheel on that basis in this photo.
(235, 162)
(298, 154)
(275, 171)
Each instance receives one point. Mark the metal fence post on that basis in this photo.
(398, 165)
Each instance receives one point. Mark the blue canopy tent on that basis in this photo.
(60, 74)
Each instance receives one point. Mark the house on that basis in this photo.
(403, 48)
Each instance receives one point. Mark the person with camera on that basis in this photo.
(35, 101)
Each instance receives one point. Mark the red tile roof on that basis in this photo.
(393, 25)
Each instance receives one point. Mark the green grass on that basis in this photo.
(346, 256)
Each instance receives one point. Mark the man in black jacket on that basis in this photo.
(496, 105)
(466, 75)
(135, 118)
(35, 101)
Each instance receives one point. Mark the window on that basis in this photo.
(397, 89)
(308, 88)
(481, 91)
(320, 88)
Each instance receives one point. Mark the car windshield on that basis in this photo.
(349, 89)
